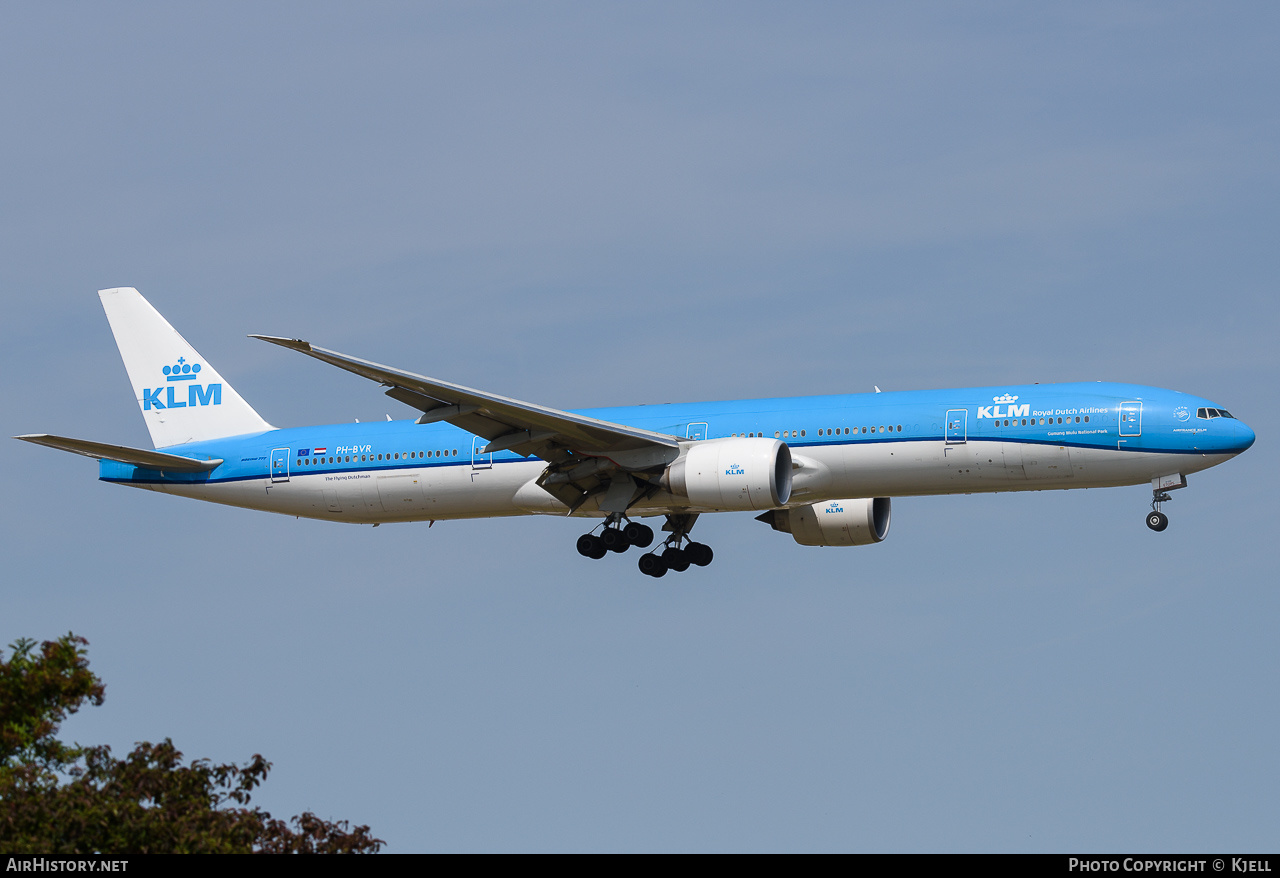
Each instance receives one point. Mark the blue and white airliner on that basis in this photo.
(820, 468)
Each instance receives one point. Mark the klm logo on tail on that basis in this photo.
(197, 394)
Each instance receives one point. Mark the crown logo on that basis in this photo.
(183, 371)
(1004, 399)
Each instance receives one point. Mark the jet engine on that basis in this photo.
(834, 523)
(736, 474)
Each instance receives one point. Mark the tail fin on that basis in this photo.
(182, 397)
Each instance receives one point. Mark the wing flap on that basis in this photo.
(142, 457)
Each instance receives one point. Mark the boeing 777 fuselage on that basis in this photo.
(820, 468)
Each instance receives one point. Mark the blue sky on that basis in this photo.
(587, 205)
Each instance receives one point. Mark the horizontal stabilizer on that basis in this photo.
(156, 460)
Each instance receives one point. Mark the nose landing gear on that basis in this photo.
(1157, 520)
(1160, 486)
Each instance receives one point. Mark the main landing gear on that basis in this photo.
(675, 558)
(614, 538)
(617, 537)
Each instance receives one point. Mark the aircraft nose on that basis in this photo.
(1244, 437)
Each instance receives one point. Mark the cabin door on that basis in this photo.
(280, 464)
(479, 459)
(1130, 419)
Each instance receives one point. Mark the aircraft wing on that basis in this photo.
(561, 438)
(156, 460)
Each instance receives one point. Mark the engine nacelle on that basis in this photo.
(732, 474)
(834, 523)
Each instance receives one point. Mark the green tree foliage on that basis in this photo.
(62, 799)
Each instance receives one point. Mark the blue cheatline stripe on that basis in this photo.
(299, 472)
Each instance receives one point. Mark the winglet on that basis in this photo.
(296, 344)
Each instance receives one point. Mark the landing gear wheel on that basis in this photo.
(638, 534)
(614, 540)
(653, 565)
(1157, 521)
(676, 559)
(591, 546)
(699, 553)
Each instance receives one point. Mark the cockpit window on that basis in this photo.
(1209, 414)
